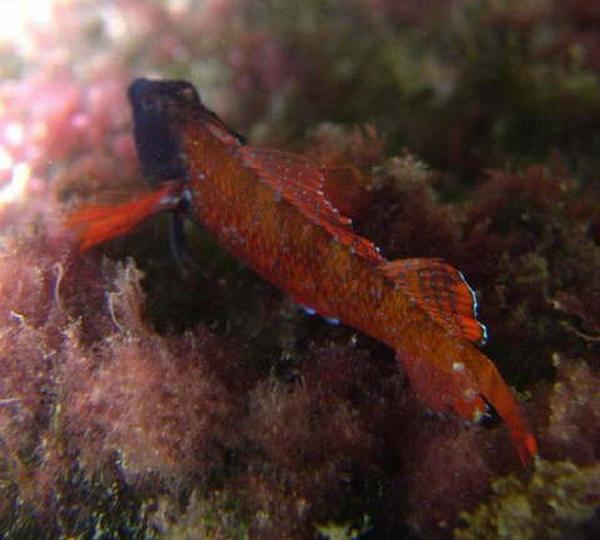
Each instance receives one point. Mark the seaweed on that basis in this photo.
(560, 500)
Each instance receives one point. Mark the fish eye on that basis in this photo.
(188, 93)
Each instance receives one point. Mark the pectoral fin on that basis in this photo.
(98, 223)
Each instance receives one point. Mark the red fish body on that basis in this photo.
(273, 210)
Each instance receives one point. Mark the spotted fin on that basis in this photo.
(97, 223)
(345, 186)
(302, 184)
(442, 292)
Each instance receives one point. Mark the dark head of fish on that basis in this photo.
(158, 108)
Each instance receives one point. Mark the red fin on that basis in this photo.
(527, 448)
(302, 184)
(442, 292)
(443, 390)
(98, 223)
(345, 187)
(219, 128)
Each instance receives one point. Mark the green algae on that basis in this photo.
(216, 517)
(559, 500)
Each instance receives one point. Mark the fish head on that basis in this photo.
(160, 108)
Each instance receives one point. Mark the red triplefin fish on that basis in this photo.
(277, 212)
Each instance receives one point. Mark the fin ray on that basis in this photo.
(302, 184)
(97, 223)
(345, 187)
(442, 292)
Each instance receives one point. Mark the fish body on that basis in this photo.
(272, 210)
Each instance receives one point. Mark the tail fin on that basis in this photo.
(496, 391)
(521, 436)
(97, 223)
(527, 449)
(467, 387)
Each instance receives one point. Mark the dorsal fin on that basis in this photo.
(219, 128)
(345, 187)
(442, 292)
(301, 183)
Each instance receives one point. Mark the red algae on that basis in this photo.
(316, 438)
(157, 410)
(571, 427)
(87, 383)
(407, 218)
(148, 399)
(445, 469)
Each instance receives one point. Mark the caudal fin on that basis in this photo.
(497, 392)
(527, 447)
(522, 437)
(468, 387)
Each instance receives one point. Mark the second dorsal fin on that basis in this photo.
(442, 292)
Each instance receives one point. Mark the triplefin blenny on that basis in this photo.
(274, 211)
